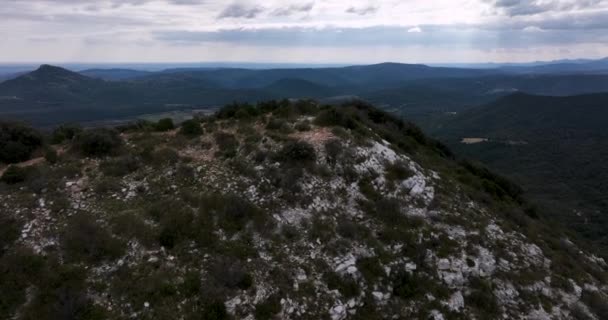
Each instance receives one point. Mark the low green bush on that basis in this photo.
(98, 142)
(482, 298)
(231, 274)
(398, 171)
(177, 225)
(50, 155)
(408, 286)
(85, 240)
(333, 150)
(14, 175)
(346, 284)
(17, 142)
(121, 166)
(191, 128)
(297, 152)
(597, 302)
(9, 231)
(238, 111)
(268, 309)
(227, 144)
(163, 125)
(215, 311)
(66, 132)
(163, 156)
(370, 268)
(19, 267)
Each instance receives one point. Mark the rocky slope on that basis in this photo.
(287, 211)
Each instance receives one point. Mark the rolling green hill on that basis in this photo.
(556, 147)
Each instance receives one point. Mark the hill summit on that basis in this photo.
(284, 210)
(48, 73)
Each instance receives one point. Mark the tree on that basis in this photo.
(17, 142)
(98, 142)
(191, 128)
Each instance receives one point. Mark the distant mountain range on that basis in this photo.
(52, 95)
(556, 147)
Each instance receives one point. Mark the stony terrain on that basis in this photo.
(287, 211)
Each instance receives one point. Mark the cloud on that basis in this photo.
(290, 25)
(362, 11)
(533, 7)
(438, 38)
(293, 9)
(237, 10)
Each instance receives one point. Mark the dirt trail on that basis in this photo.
(32, 162)
(317, 137)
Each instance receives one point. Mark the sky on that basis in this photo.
(340, 31)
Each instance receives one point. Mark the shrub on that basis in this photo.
(164, 156)
(18, 268)
(98, 142)
(346, 285)
(227, 144)
(407, 286)
(177, 225)
(62, 295)
(50, 155)
(215, 311)
(347, 229)
(367, 188)
(482, 297)
(398, 171)
(389, 210)
(9, 231)
(286, 179)
(238, 111)
(192, 283)
(333, 150)
(85, 240)
(597, 302)
(231, 274)
(333, 116)
(579, 313)
(370, 268)
(234, 213)
(65, 132)
(303, 126)
(107, 185)
(268, 309)
(120, 167)
(165, 124)
(17, 142)
(136, 126)
(191, 128)
(297, 152)
(279, 125)
(14, 175)
(130, 225)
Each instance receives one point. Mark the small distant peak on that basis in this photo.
(48, 67)
(50, 73)
(398, 64)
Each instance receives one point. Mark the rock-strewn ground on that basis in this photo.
(294, 213)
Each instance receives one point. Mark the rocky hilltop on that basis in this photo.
(284, 210)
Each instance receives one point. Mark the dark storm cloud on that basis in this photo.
(237, 10)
